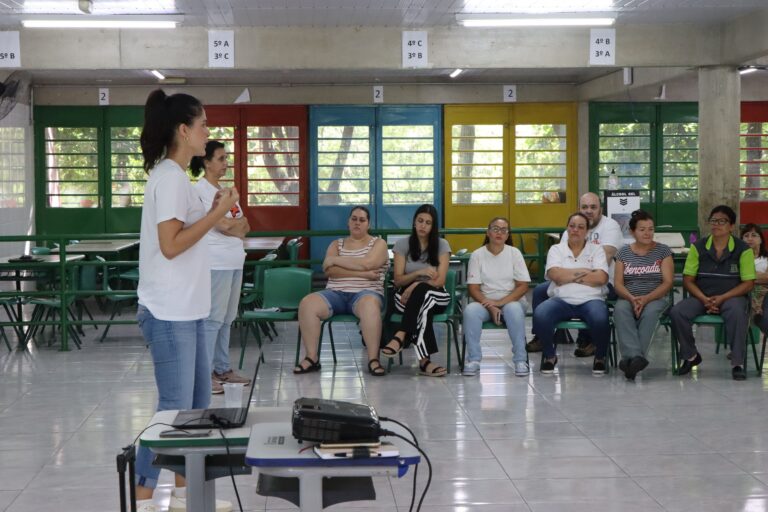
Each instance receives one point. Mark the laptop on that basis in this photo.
(217, 418)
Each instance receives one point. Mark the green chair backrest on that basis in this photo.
(39, 251)
(258, 274)
(285, 287)
(293, 246)
(450, 287)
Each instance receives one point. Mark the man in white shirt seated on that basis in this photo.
(604, 231)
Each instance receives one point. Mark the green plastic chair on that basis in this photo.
(293, 245)
(283, 289)
(116, 300)
(582, 325)
(447, 317)
(253, 295)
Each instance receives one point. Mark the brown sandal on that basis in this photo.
(436, 371)
(314, 366)
(390, 352)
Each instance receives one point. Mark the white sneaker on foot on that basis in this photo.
(180, 505)
(471, 368)
(146, 506)
(522, 369)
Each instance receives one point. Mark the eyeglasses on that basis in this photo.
(496, 229)
(719, 222)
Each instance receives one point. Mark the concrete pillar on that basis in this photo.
(719, 116)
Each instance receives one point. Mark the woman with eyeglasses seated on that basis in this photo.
(497, 281)
(578, 273)
(753, 236)
(421, 265)
(356, 267)
(719, 273)
(643, 277)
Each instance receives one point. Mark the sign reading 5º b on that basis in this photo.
(10, 50)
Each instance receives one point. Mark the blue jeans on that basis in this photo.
(182, 374)
(554, 310)
(514, 318)
(225, 298)
(540, 295)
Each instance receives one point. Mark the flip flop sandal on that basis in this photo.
(314, 366)
(376, 371)
(436, 371)
(388, 351)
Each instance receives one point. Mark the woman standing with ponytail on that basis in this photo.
(175, 281)
(225, 249)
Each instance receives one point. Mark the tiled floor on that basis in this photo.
(498, 443)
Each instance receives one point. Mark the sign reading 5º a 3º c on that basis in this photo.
(221, 48)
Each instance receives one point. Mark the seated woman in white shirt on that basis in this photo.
(497, 281)
(753, 236)
(578, 273)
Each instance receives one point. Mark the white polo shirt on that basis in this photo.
(177, 289)
(496, 273)
(226, 252)
(592, 257)
(607, 232)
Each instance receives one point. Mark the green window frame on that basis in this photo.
(653, 148)
(12, 164)
(89, 176)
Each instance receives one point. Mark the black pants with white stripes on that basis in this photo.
(424, 303)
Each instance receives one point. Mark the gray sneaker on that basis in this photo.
(230, 377)
(522, 369)
(216, 387)
(471, 368)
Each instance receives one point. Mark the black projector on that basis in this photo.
(332, 421)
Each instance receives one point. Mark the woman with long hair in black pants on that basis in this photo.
(421, 265)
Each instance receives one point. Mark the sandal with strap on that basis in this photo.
(314, 366)
(436, 371)
(378, 370)
(388, 351)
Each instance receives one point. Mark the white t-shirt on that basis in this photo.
(592, 257)
(607, 232)
(178, 289)
(496, 274)
(761, 264)
(226, 252)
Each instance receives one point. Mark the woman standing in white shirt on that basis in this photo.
(497, 281)
(175, 282)
(578, 273)
(225, 248)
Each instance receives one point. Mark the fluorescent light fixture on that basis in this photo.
(508, 20)
(158, 74)
(83, 21)
(747, 70)
(456, 72)
(541, 6)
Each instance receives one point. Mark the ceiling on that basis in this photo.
(378, 13)
(391, 13)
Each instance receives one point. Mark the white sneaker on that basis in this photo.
(522, 369)
(147, 506)
(180, 505)
(471, 368)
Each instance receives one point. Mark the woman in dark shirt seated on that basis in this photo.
(719, 274)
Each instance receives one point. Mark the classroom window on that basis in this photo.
(408, 164)
(343, 165)
(12, 164)
(273, 165)
(127, 167)
(680, 157)
(477, 164)
(540, 163)
(71, 167)
(753, 165)
(626, 149)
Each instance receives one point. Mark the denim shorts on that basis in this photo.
(343, 303)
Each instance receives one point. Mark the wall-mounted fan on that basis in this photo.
(15, 88)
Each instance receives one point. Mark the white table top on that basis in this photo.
(262, 243)
(100, 246)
